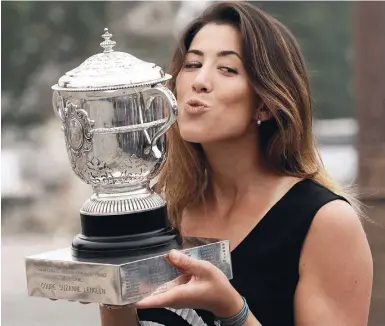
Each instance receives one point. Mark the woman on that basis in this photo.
(242, 165)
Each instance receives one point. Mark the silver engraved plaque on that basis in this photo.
(58, 275)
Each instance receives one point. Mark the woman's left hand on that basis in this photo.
(201, 286)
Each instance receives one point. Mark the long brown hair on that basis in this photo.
(276, 70)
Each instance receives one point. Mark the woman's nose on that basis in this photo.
(202, 84)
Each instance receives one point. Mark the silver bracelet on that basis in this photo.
(238, 320)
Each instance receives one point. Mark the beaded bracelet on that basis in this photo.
(238, 320)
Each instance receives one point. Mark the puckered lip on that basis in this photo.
(196, 102)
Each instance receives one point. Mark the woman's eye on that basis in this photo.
(228, 70)
(192, 65)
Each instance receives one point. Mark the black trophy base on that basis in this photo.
(136, 235)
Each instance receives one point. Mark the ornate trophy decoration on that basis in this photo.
(115, 113)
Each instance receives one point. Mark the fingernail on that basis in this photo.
(174, 254)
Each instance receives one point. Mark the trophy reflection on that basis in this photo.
(115, 113)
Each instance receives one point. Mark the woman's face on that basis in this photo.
(215, 99)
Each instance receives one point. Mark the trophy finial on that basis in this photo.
(107, 44)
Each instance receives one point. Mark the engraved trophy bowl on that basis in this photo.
(115, 112)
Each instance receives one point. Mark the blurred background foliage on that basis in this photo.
(36, 35)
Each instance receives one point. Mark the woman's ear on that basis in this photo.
(263, 113)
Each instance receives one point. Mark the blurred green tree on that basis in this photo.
(34, 33)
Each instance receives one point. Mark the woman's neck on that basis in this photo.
(234, 167)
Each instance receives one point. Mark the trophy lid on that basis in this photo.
(111, 70)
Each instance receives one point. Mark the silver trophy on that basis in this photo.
(115, 112)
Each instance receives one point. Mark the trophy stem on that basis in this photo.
(122, 203)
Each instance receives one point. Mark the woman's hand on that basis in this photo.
(201, 286)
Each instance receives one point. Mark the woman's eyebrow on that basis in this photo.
(219, 54)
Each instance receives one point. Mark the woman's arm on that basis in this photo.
(125, 316)
(336, 270)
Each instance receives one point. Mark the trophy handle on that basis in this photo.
(58, 105)
(168, 96)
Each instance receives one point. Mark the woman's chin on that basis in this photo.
(193, 139)
(193, 136)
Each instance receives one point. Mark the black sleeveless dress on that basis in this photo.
(265, 264)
